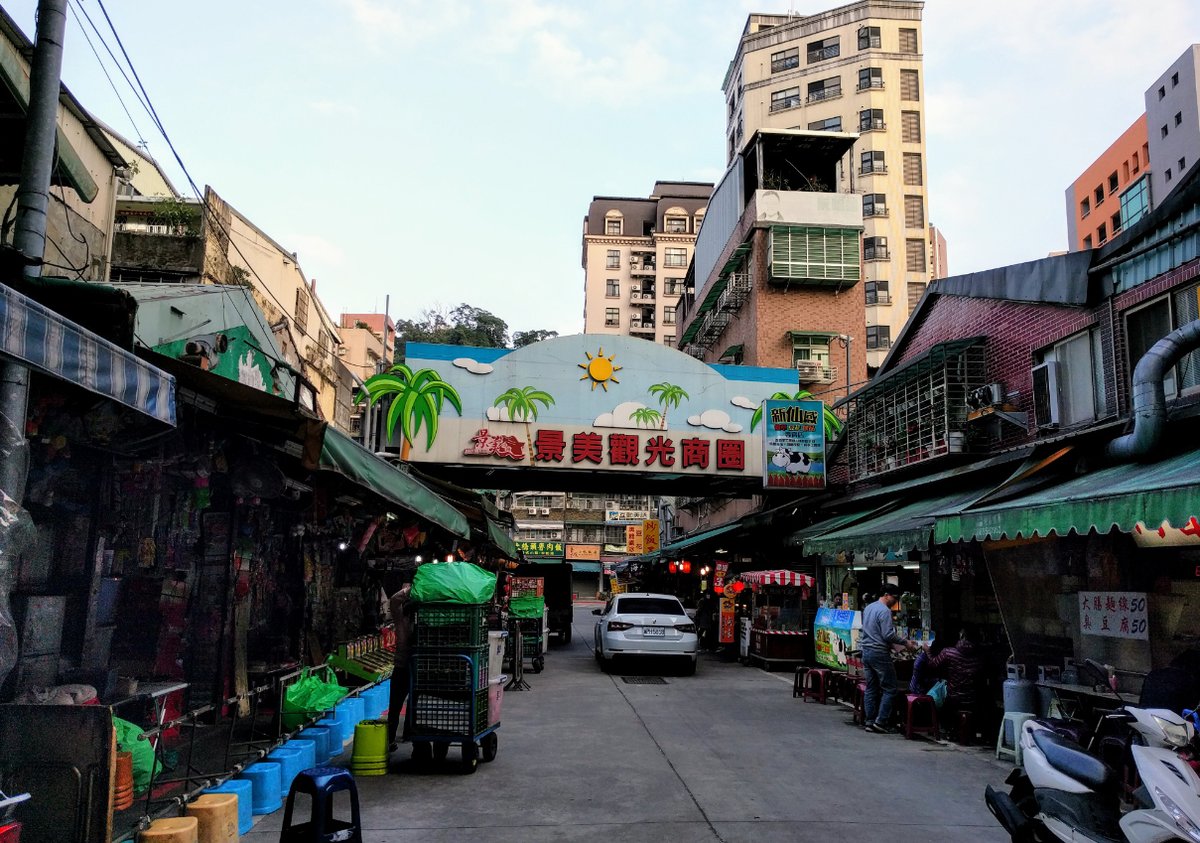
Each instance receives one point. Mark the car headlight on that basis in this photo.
(1182, 820)
(1176, 733)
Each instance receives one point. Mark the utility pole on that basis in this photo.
(33, 200)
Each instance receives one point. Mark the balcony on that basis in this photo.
(872, 170)
(875, 211)
(823, 53)
(785, 103)
(875, 125)
(639, 295)
(870, 85)
(813, 371)
(878, 298)
(638, 326)
(780, 65)
(824, 94)
(876, 253)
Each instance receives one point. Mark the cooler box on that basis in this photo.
(495, 699)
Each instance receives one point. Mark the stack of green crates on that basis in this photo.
(450, 670)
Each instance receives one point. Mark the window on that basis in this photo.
(1116, 222)
(613, 260)
(1185, 308)
(1162, 92)
(870, 77)
(302, 309)
(676, 256)
(914, 255)
(910, 86)
(825, 89)
(1113, 184)
(877, 292)
(612, 225)
(668, 315)
(868, 38)
(676, 225)
(1163, 130)
(1087, 242)
(874, 205)
(1125, 170)
(1174, 79)
(612, 317)
(914, 211)
(875, 249)
(1167, 174)
(916, 289)
(324, 341)
(870, 119)
(910, 126)
(828, 48)
(879, 336)
(673, 286)
(1182, 164)
(1085, 207)
(912, 168)
(785, 60)
(669, 341)
(1136, 166)
(810, 347)
(788, 98)
(1178, 117)
(1135, 201)
(908, 40)
(1147, 325)
(612, 288)
(1102, 234)
(814, 254)
(829, 124)
(872, 162)
(1099, 193)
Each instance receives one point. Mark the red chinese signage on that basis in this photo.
(484, 444)
(618, 449)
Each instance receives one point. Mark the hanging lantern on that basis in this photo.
(738, 587)
(719, 589)
(671, 567)
(686, 567)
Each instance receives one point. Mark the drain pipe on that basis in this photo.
(1149, 394)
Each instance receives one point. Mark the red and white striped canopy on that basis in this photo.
(777, 578)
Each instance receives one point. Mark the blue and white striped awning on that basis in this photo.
(41, 339)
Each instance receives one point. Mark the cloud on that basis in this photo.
(321, 250)
(335, 108)
(474, 367)
(744, 402)
(715, 420)
(387, 24)
(620, 416)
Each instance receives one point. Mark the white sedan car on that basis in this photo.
(645, 625)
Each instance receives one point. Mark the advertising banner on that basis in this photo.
(728, 602)
(1114, 614)
(616, 515)
(583, 552)
(634, 540)
(650, 531)
(793, 444)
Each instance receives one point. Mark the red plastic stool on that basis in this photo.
(816, 684)
(860, 699)
(798, 682)
(917, 702)
(965, 731)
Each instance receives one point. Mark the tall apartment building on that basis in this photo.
(1173, 123)
(856, 68)
(635, 255)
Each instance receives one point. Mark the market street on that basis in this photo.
(725, 755)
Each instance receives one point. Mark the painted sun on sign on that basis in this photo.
(600, 370)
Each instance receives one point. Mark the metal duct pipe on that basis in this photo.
(1149, 394)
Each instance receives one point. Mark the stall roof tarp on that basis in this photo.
(342, 454)
(777, 578)
(42, 339)
(692, 541)
(1118, 496)
(502, 540)
(903, 529)
(833, 523)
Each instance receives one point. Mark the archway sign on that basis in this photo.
(591, 412)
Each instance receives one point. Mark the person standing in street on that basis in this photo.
(401, 610)
(877, 637)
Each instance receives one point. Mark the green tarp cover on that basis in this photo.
(342, 454)
(1118, 496)
(829, 525)
(453, 582)
(527, 607)
(129, 740)
(692, 541)
(502, 540)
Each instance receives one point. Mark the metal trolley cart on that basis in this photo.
(528, 608)
(448, 699)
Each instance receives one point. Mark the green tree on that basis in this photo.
(464, 325)
(646, 417)
(417, 400)
(521, 403)
(669, 395)
(524, 338)
(833, 425)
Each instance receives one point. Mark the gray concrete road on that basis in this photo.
(725, 755)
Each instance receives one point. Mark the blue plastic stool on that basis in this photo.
(291, 762)
(356, 712)
(308, 751)
(335, 722)
(267, 778)
(376, 702)
(243, 790)
(321, 783)
(321, 737)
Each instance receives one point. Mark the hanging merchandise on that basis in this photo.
(308, 697)
(453, 582)
(129, 739)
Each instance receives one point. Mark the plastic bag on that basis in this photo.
(453, 582)
(531, 606)
(307, 697)
(129, 739)
(938, 692)
(16, 534)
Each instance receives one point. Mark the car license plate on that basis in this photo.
(654, 630)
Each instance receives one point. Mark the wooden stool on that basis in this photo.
(171, 830)
(816, 684)
(916, 704)
(216, 816)
(798, 682)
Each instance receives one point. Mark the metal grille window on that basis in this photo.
(612, 317)
(879, 336)
(829, 124)
(302, 300)
(674, 286)
(788, 98)
(676, 225)
(910, 85)
(873, 161)
(612, 288)
(914, 211)
(875, 249)
(675, 256)
(869, 38)
(870, 119)
(613, 260)
(825, 89)
(827, 48)
(908, 40)
(877, 292)
(870, 77)
(785, 60)
(914, 255)
(1186, 304)
(814, 254)
(875, 205)
(912, 169)
(910, 126)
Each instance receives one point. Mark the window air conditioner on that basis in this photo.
(1047, 395)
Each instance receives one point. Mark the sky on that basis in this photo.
(446, 152)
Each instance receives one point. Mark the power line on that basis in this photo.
(72, 5)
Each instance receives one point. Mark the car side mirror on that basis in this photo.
(597, 612)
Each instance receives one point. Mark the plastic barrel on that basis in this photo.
(370, 755)
(171, 830)
(385, 695)
(1020, 695)
(321, 737)
(123, 782)
(307, 749)
(267, 779)
(217, 817)
(243, 790)
(291, 762)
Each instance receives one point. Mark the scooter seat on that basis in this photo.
(1073, 730)
(1068, 758)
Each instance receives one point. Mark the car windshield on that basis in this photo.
(648, 606)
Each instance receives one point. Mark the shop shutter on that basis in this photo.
(914, 211)
(910, 126)
(912, 168)
(910, 88)
(914, 254)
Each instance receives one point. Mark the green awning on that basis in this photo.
(836, 522)
(343, 455)
(691, 541)
(502, 540)
(732, 351)
(1118, 496)
(897, 529)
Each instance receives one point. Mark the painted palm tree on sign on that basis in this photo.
(669, 395)
(521, 402)
(646, 417)
(417, 401)
(833, 425)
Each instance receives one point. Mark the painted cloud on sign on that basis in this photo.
(475, 368)
(498, 413)
(744, 402)
(621, 416)
(715, 420)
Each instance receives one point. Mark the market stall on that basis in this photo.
(781, 612)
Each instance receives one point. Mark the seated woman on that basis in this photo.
(922, 675)
(962, 668)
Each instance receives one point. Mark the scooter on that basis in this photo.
(1066, 794)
